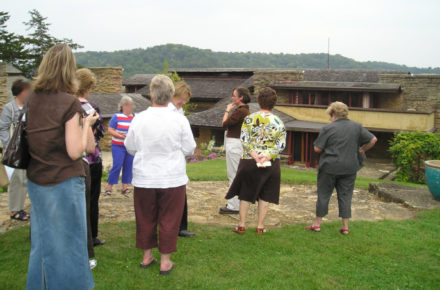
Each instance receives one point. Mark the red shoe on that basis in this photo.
(239, 230)
(344, 231)
(314, 228)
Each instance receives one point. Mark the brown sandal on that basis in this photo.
(261, 231)
(239, 230)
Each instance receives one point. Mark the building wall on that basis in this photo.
(3, 85)
(388, 101)
(372, 119)
(419, 92)
(263, 78)
(205, 136)
(109, 80)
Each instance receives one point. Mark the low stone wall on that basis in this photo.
(106, 142)
(3, 92)
(109, 80)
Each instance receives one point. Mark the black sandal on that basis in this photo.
(20, 216)
(125, 192)
(107, 193)
(145, 266)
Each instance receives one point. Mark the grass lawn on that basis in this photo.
(215, 170)
(376, 255)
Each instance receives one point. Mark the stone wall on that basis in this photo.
(419, 92)
(3, 85)
(108, 80)
(106, 143)
(263, 78)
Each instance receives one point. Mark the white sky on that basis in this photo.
(397, 31)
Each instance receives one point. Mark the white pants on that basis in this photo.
(234, 152)
(17, 190)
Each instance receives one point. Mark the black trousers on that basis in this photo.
(184, 221)
(95, 192)
(344, 185)
(89, 232)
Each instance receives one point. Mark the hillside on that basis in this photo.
(151, 60)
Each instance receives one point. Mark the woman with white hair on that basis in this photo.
(342, 145)
(118, 128)
(159, 139)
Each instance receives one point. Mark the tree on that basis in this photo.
(39, 41)
(12, 46)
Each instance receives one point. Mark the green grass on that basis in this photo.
(215, 170)
(376, 255)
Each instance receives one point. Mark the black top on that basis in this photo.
(340, 142)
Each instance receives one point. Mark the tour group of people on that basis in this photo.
(63, 178)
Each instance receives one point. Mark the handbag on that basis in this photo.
(17, 154)
(4, 180)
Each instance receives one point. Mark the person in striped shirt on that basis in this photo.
(118, 128)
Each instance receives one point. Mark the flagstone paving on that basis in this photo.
(297, 204)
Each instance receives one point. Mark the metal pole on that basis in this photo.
(328, 54)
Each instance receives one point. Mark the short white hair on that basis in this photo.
(161, 89)
(124, 101)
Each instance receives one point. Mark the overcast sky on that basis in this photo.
(397, 31)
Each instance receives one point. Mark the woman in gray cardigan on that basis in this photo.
(17, 181)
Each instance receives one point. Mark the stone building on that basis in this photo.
(8, 75)
(139, 84)
(107, 94)
(385, 102)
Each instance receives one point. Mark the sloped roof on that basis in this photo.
(213, 117)
(303, 126)
(212, 70)
(212, 88)
(144, 91)
(138, 80)
(248, 84)
(108, 103)
(338, 86)
(347, 75)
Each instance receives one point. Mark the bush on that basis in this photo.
(409, 150)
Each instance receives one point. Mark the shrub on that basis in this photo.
(409, 150)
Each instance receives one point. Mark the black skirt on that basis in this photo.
(252, 183)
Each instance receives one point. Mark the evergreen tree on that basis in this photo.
(12, 46)
(39, 41)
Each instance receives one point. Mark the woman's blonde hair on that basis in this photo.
(337, 109)
(161, 89)
(57, 71)
(86, 79)
(182, 91)
(124, 101)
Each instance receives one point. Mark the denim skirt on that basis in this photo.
(59, 258)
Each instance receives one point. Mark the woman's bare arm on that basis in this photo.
(77, 134)
(91, 145)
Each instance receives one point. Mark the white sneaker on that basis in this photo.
(93, 263)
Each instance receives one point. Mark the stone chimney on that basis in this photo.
(108, 80)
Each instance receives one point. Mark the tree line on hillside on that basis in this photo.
(25, 52)
(150, 60)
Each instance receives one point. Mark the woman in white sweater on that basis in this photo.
(159, 139)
